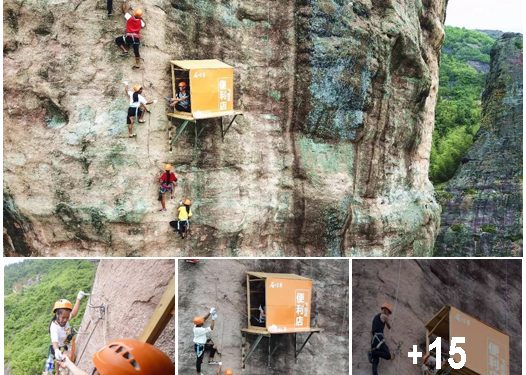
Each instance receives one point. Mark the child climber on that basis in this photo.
(60, 330)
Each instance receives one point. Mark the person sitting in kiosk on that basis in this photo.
(181, 102)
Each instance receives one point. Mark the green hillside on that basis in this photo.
(464, 63)
(27, 311)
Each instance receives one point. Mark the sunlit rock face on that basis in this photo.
(330, 158)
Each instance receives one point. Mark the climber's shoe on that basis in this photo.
(132, 135)
(136, 67)
(213, 362)
(370, 356)
(142, 121)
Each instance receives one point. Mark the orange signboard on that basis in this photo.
(487, 349)
(288, 304)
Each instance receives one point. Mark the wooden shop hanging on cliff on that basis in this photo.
(201, 90)
(487, 350)
(277, 304)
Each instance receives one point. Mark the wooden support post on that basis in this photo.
(427, 341)
(297, 353)
(248, 302)
(251, 350)
(161, 316)
(181, 129)
(173, 81)
(269, 343)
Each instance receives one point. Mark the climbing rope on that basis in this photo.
(102, 309)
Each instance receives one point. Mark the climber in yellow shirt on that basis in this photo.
(184, 213)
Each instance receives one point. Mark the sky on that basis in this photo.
(504, 15)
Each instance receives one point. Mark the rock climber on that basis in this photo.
(184, 213)
(137, 107)
(181, 102)
(126, 356)
(379, 348)
(60, 330)
(168, 182)
(202, 340)
(132, 36)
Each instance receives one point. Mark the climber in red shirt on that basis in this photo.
(132, 36)
(167, 182)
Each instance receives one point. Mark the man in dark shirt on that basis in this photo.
(379, 348)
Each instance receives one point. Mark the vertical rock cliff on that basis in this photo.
(488, 290)
(482, 209)
(330, 158)
(129, 291)
(222, 284)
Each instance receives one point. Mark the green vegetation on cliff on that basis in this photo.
(463, 66)
(30, 290)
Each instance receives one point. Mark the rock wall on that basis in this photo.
(489, 290)
(330, 158)
(222, 284)
(130, 290)
(482, 210)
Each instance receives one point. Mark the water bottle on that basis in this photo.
(50, 365)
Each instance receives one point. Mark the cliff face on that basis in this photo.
(222, 284)
(130, 290)
(489, 290)
(330, 158)
(482, 210)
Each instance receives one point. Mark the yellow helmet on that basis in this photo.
(187, 202)
(138, 13)
(62, 304)
(167, 167)
(137, 87)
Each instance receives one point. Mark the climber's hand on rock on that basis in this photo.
(212, 311)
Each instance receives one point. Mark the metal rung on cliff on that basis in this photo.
(208, 86)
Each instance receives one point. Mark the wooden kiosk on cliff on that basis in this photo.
(211, 88)
(277, 304)
(487, 349)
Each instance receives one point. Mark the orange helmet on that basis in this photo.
(198, 320)
(138, 13)
(132, 357)
(62, 304)
(187, 202)
(183, 83)
(229, 371)
(387, 306)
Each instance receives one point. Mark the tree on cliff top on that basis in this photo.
(464, 63)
